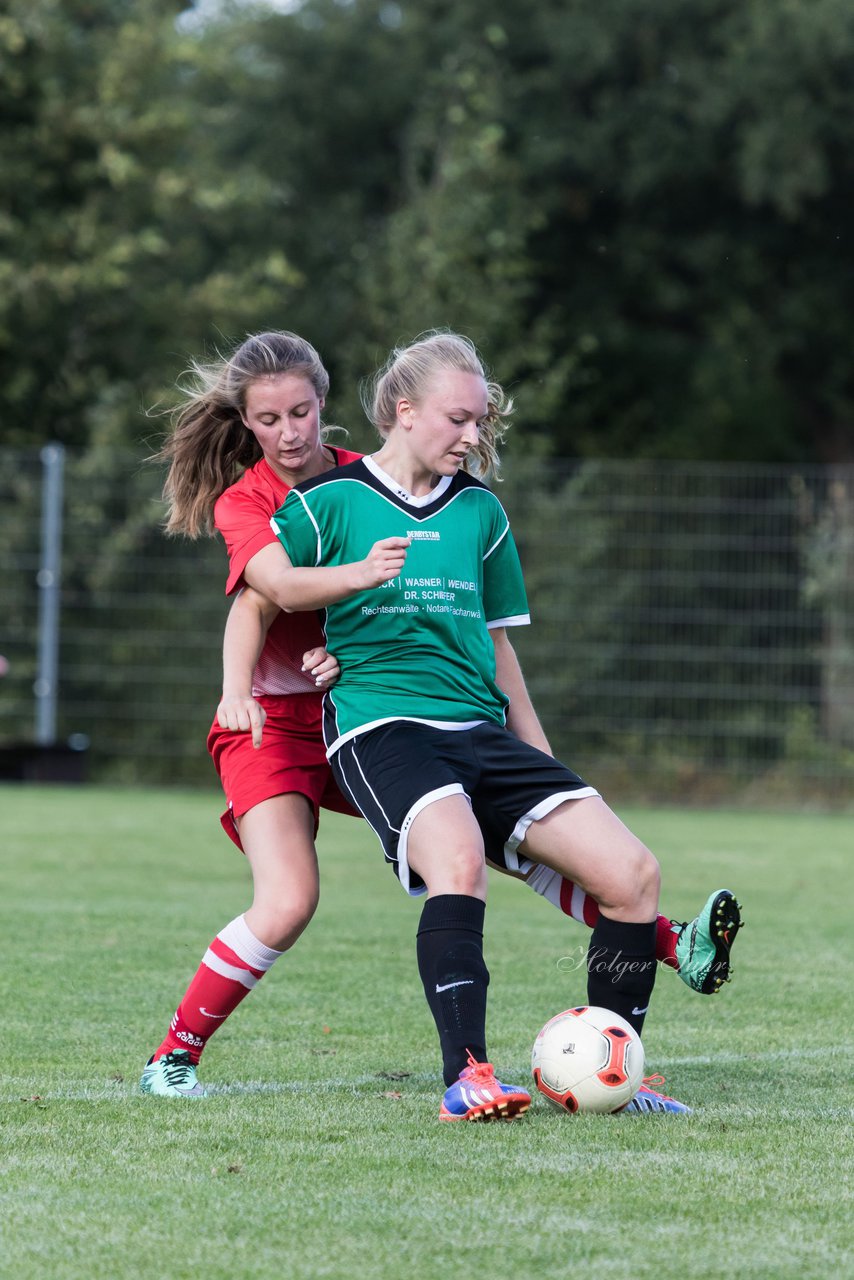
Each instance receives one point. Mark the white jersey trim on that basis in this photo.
(498, 541)
(518, 620)
(316, 527)
(452, 726)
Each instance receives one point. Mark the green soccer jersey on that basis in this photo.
(417, 648)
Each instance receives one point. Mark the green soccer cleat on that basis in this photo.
(172, 1076)
(704, 944)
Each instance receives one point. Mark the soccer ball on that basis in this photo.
(587, 1059)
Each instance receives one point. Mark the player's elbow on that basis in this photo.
(281, 591)
(285, 603)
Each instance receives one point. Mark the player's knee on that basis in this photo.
(299, 912)
(471, 870)
(473, 881)
(461, 870)
(287, 918)
(646, 876)
(635, 888)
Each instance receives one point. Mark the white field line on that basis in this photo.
(118, 1090)
(27, 1090)
(776, 1055)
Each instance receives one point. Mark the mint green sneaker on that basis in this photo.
(704, 944)
(172, 1076)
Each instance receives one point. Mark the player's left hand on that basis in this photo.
(322, 666)
(242, 715)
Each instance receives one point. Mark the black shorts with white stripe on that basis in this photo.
(393, 772)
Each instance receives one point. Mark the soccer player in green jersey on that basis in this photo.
(430, 729)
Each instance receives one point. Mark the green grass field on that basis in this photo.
(319, 1152)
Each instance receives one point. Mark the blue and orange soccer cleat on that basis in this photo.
(477, 1095)
(647, 1102)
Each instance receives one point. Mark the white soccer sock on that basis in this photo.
(243, 942)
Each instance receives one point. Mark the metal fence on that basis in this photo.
(692, 637)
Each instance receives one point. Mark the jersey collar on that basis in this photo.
(388, 482)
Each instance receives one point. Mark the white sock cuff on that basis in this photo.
(242, 940)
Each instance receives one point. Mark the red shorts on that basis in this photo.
(291, 757)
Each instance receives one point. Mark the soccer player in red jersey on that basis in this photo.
(248, 430)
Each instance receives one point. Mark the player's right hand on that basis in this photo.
(242, 715)
(384, 561)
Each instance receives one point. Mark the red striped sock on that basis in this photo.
(574, 902)
(233, 963)
(665, 942)
(564, 895)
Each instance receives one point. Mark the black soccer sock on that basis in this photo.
(450, 960)
(621, 968)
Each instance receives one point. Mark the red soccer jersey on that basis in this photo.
(242, 515)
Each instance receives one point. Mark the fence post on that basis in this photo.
(48, 579)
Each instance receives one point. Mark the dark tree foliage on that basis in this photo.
(639, 212)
